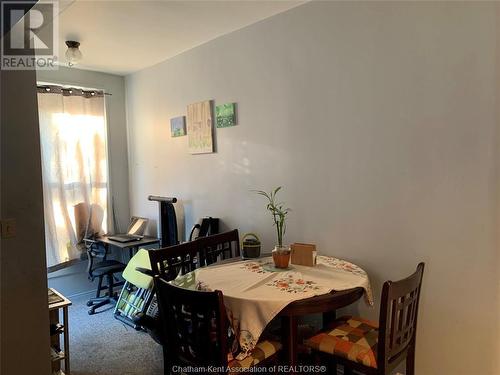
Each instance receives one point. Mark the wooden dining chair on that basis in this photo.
(370, 348)
(169, 262)
(218, 247)
(195, 326)
(186, 257)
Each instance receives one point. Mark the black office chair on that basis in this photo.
(106, 268)
(88, 221)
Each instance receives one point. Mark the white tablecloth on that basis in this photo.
(254, 294)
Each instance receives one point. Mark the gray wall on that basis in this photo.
(379, 120)
(73, 280)
(24, 329)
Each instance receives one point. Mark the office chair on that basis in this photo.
(88, 220)
(106, 268)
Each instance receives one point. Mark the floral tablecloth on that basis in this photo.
(254, 293)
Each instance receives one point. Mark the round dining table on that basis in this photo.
(255, 292)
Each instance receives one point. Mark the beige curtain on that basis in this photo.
(74, 169)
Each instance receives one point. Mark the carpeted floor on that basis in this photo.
(102, 345)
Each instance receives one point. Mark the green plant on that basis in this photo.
(278, 211)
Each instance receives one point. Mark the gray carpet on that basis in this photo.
(102, 345)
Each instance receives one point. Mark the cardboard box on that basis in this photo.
(303, 254)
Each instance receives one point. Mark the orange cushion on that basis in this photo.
(263, 350)
(349, 337)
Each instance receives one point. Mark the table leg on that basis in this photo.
(328, 318)
(289, 331)
(66, 341)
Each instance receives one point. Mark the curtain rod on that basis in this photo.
(69, 90)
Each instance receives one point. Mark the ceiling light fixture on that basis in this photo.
(73, 54)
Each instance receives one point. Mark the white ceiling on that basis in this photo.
(122, 37)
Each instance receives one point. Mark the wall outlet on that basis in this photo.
(8, 228)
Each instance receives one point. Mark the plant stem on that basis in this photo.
(278, 212)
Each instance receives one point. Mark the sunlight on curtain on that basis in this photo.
(74, 168)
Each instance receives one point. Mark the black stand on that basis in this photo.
(167, 224)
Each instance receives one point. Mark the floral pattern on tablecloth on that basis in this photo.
(293, 283)
(351, 268)
(200, 285)
(254, 267)
(241, 342)
(340, 264)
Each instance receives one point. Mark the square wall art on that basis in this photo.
(226, 115)
(178, 126)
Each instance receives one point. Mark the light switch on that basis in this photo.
(8, 228)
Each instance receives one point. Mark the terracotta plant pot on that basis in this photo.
(281, 257)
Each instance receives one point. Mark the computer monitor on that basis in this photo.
(137, 226)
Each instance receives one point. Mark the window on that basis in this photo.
(75, 169)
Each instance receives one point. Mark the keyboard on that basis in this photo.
(125, 238)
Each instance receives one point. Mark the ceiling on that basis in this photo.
(122, 37)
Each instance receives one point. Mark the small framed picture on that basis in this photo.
(178, 126)
(225, 115)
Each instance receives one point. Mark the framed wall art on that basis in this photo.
(178, 126)
(200, 127)
(225, 115)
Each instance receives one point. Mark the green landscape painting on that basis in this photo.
(178, 126)
(225, 115)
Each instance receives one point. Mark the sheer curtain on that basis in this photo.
(74, 170)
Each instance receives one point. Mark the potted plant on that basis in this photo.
(281, 253)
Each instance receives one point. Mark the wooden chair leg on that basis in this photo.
(333, 367)
(166, 362)
(410, 361)
(328, 318)
(289, 329)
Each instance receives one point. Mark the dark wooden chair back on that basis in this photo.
(194, 324)
(398, 320)
(169, 262)
(218, 247)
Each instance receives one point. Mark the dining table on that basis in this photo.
(255, 292)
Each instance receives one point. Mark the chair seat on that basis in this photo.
(263, 350)
(351, 338)
(108, 266)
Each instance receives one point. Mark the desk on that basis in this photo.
(133, 246)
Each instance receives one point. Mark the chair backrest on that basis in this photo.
(169, 262)
(218, 247)
(132, 272)
(194, 324)
(88, 224)
(398, 318)
(88, 220)
(94, 250)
